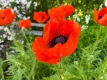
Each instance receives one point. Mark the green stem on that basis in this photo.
(61, 68)
(23, 31)
(1, 72)
(10, 32)
(15, 41)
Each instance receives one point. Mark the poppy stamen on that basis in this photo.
(58, 39)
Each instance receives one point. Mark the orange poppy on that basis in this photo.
(60, 39)
(40, 16)
(61, 11)
(6, 16)
(101, 16)
(24, 23)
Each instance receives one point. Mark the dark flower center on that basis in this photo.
(2, 17)
(42, 17)
(58, 39)
(99, 17)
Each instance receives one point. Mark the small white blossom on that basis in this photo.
(24, 2)
(35, 4)
(10, 38)
(28, 4)
(18, 1)
(105, 3)
(87, 18)
(4, 35)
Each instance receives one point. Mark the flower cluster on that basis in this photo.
(60, 36)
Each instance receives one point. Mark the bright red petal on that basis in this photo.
(70, 10)
(67, 28)
(70, 46)
(67, 9)
(24, 23)
(45, 54)
(103, 20)
(67, 48)
(1, 22)
(56, 13)
(40, 16)
(2, 15)
(10, 18)
(51, 55)
(39, 42)
(7, 11)
(51, 30)
(5, 20)
(101, 16)
(102, 11)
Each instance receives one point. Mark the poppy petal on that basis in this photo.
(45, 54)
(10, 18)
(95, 15)
(51, 55)
(101, 16)
(7, 11)
(56, 13)
(40, 16)
(71, 44)
(67, 48)
(67, 9)
(67, 28)
(1, 22)
(103, 20)
(51, 30)
(102, 11)
(38, 42)
(24, 23)
(41, 55)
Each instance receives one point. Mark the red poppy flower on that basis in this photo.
(101, 16)
(6, 16)
(40, 17)
(61, 11)
(60, 39)
(24, 23)
(67, 9)
(56, 13)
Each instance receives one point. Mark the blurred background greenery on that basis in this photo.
(82, 7)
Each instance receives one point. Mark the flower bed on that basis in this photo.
(57, 41)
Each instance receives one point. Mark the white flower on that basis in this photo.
(24, 2)
(105, 2)
(28, 4)
(87, 18)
